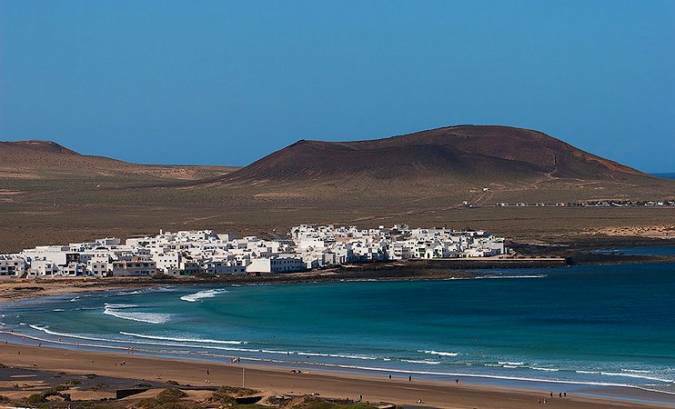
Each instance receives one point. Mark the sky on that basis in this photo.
(220, 82)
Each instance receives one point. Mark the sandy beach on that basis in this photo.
(12, 290)
(269, 380)
(278, 381)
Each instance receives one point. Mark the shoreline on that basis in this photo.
(613, 392)
(473, 393)
(19, 289)
(590, 389)
(279, 381)
(410, 270)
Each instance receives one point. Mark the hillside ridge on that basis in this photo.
(484, 152)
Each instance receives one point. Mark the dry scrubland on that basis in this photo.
(50, 194)
(60, 211)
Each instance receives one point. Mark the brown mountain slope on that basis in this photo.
(33, 145)
(48, 160)
(458, 154)
(49, 194)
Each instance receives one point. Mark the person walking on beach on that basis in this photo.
(409, 378)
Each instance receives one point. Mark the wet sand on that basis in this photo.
(280, 381)
(18, 289)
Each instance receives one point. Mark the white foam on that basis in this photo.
(123, 341)
(203, 294)
(502, 377)
(425, 362)
(538, 368)
(197, 340)
(440, 353)
(135, 292)
(368, 368)
(61, 342)
(637, 376)
(120, 306)
(510, 363)
(346, 356)
(147, 317)
(64, 334)
(635, 371)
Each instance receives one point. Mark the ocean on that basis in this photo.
(571, 328)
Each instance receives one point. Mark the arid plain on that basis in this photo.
(453, 176)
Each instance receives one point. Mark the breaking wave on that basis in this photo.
(117, 311)
(46, 330)
(196, 340)
(203, 294)
(440, 353)
(416, 361)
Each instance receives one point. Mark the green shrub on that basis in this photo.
(318, 403)
(167, 399)
(35, 399)
(170, 395)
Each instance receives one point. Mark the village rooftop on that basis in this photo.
(194, 252)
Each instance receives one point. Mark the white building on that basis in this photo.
(205, 252)
(11, 266)
(276, 264)
(222, 267)
(42, 269)
(133, 268)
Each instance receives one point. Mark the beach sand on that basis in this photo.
(12, 290)
(281, 381)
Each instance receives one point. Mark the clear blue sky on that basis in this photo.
(217, 82)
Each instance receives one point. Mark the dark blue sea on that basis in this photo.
(600, 326)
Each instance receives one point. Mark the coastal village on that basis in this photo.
(205, 252)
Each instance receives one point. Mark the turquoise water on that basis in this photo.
(597, 326)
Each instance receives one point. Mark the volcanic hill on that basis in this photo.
(488, 177)
(48, 160)
(456, 155)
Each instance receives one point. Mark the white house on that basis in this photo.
(133, 268)
(11, 266)
(219, 267)
(42, 268)
(276, 264)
